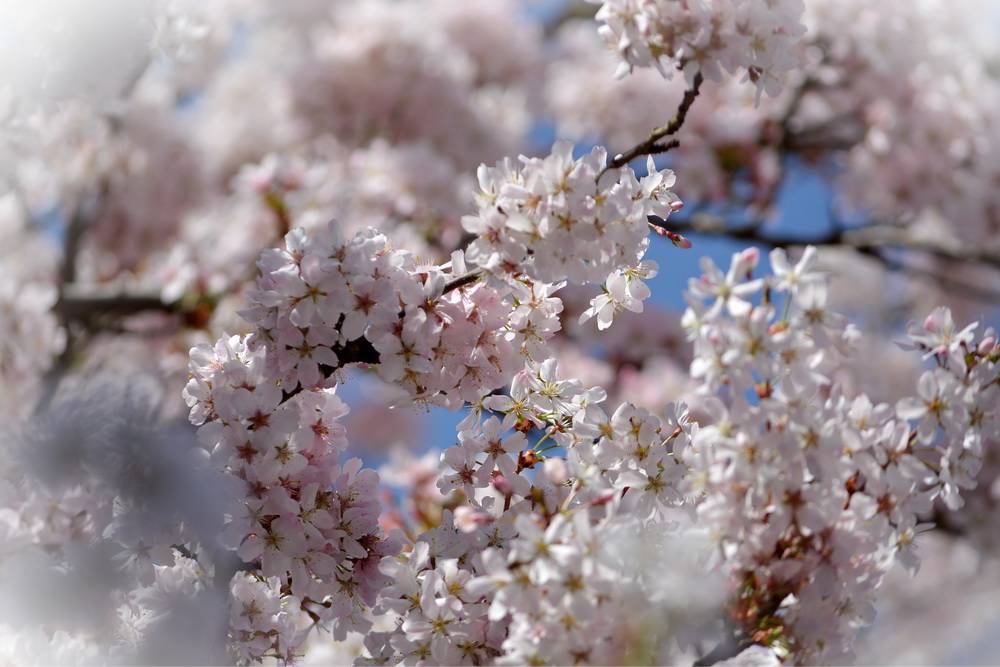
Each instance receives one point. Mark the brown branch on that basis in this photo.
(84, 215)
(359, 351)
(650, 145)
(461, 281)
(835, 134)
(79, 305)
(872, 241)
(872, 236)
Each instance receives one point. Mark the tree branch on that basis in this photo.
(871, 240)
(76, 304)
(461, 281)
(361, 350)
(650, 145)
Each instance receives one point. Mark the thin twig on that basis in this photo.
(463, 280)
(872, 236)
(871, 241)
(650, 145)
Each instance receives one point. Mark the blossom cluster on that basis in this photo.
(552, 529)
(811, 495)
(958, 401)
(268, 413)
(545, 558)
(926, 140)
(806, 495)
(558, 218)
(706, 37)
(308, 522)
(323, 303)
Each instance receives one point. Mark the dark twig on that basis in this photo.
(872, 241)
(75, 305)
(873, 236)
(463, 280)
(651, 145)
(361, 350)
(84, 215)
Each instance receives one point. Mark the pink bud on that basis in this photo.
(502, 484)
(676, 205)
(746, 260)
(986, 345)
(751, 256)
(260, 182)
(679, 241)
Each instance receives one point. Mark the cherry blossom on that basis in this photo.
(272, 219)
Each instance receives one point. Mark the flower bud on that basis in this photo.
(679, 241)
(502, 484)
(986, 345)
